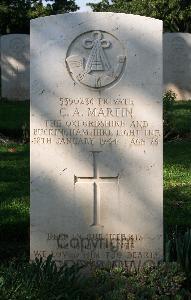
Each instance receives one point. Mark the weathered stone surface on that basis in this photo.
(177, 64)
(96, 139)
(15, 62)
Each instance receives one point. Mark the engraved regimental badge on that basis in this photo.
(95, 59)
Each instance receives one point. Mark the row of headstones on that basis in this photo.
(15, 65)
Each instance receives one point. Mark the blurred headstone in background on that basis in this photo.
(177, 64)
(15, 66)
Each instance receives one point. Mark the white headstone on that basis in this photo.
(177, 64)
(15, 62)
(96, 139)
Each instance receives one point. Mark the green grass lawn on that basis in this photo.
(182, 118)
(13, 117)
(177, 183)
(14, 200)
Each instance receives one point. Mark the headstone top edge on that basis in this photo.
(14, 35)
(177, 33)
(72, 14)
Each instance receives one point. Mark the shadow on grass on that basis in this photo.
(178, 153)
(177, 187)
(13, 116)
(14, 201)
(177, 206)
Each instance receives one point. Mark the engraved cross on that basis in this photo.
(96, 180)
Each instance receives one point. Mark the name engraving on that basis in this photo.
(97, 121)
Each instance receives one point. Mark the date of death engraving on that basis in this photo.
(97, 121)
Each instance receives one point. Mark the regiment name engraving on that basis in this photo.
(92, 121)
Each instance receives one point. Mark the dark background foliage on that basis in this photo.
(15, 15)
(176, 14)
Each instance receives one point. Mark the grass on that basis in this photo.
(177, 184)
(43, 280)
(13, 116)
(14, 200)
(182, 117)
